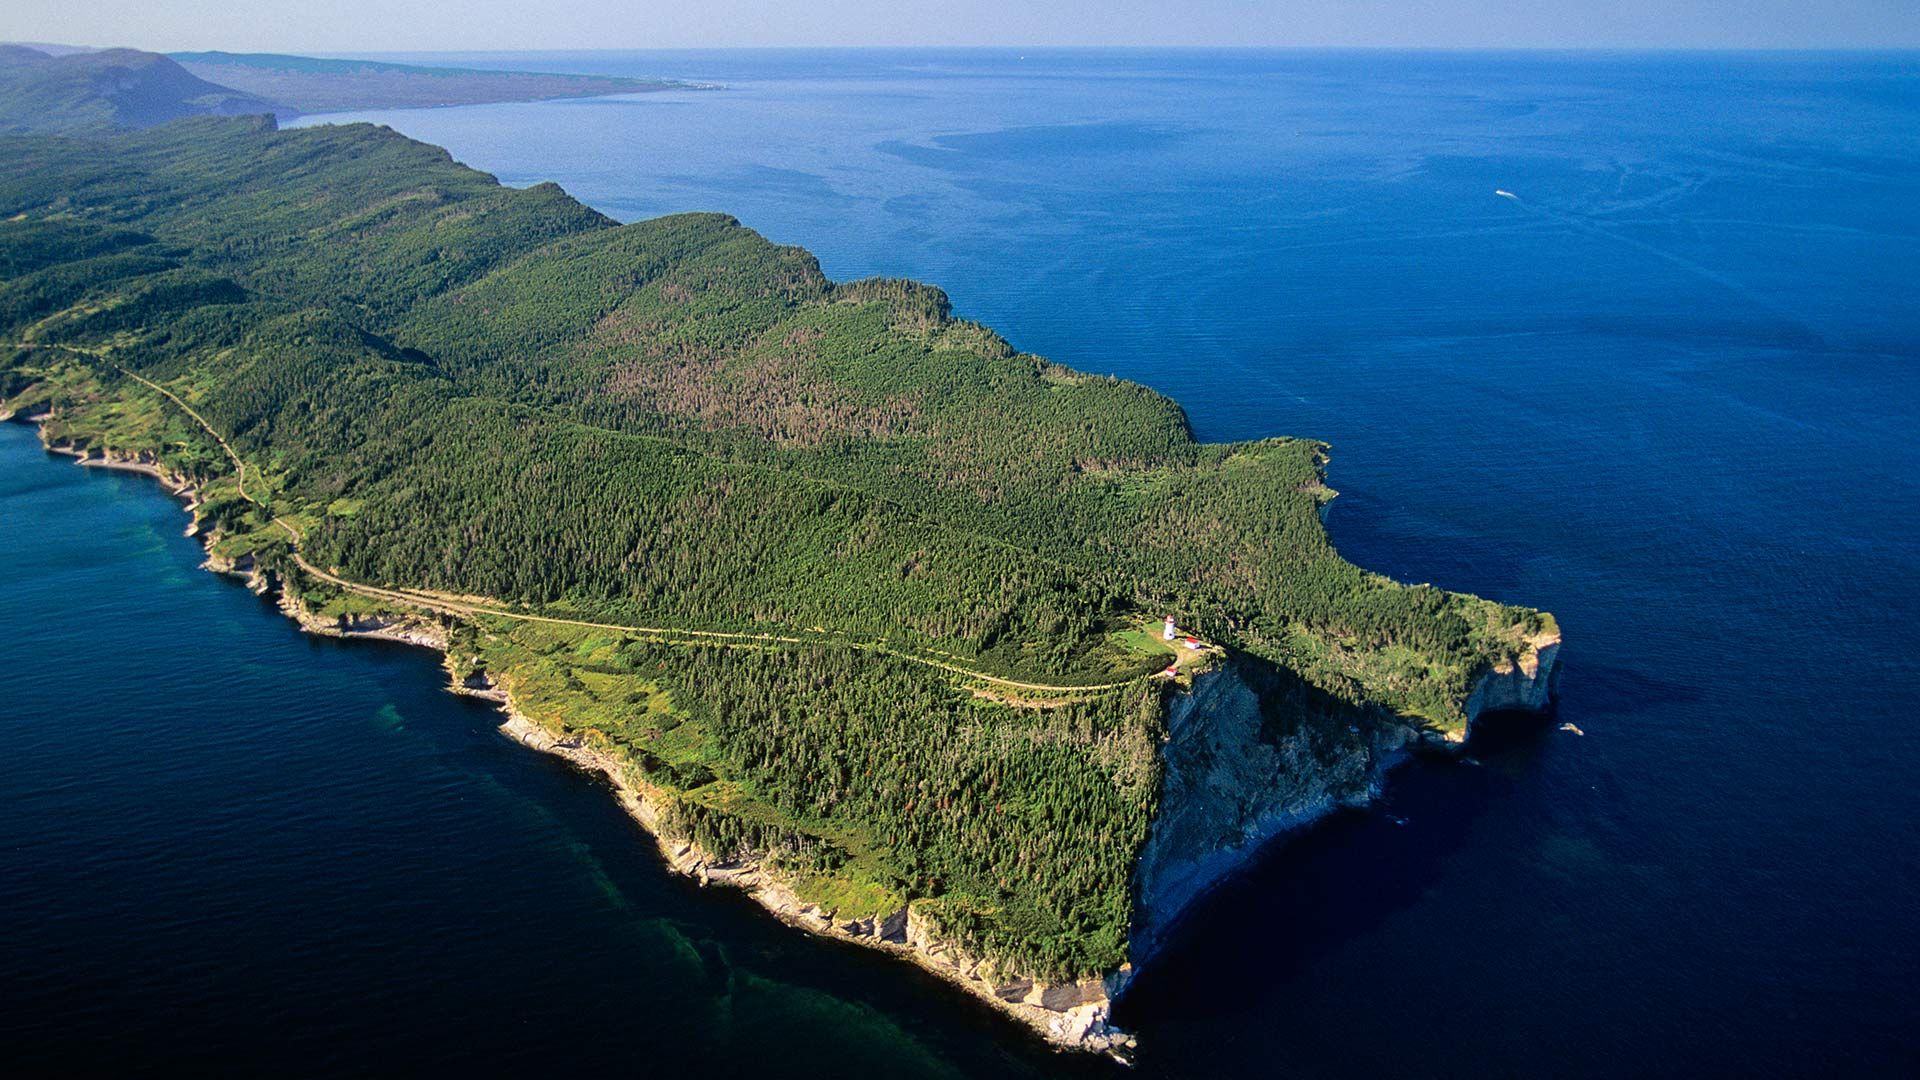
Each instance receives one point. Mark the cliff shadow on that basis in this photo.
(1307, 894)
(1504, 730)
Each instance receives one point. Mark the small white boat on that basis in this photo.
(1505, 194)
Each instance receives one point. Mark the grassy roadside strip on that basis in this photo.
(438, 605)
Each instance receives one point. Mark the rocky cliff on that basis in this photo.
(1253, 752)
(1524, 684)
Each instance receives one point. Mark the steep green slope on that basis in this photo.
(445, 384)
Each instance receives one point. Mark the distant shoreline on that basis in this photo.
(319, 86)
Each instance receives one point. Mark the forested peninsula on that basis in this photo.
(49, 88)
(309, 85)
(860, 606)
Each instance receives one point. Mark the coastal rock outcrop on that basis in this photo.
(1522, 684)
(1071, 1014)
(1082, 1005)
(1253, 752)
(1240, 768)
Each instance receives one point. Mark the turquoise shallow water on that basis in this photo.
(1668, 392)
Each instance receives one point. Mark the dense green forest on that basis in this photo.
(458, 386)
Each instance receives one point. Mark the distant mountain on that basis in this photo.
(107, 89)
(55, 49)
(66, 88)
(313, 85)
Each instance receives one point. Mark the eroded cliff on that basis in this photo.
(1253, 752)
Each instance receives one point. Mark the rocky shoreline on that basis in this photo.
(1067, 1015)
(1221, 806)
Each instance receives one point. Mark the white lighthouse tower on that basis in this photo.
(1168, 634)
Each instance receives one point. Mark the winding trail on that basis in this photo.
(239, 466)
(442, 605)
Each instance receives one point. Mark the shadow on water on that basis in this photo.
(1331, 884)
(1504, 734)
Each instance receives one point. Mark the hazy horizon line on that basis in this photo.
(976, 47)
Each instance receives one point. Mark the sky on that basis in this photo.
(320, 26)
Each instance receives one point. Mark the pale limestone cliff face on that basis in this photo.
(1251, 754)
(1072, 1014)
(1522, 685)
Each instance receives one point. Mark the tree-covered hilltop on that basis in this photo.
(444, 384)
(108, 88)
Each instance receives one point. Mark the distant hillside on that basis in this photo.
(55, 49)
(55, 88)
(314, 85)
(107, 89)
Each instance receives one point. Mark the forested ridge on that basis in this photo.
(457, 386)
(95, 90)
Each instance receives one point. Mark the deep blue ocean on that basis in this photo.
(1669, 389)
